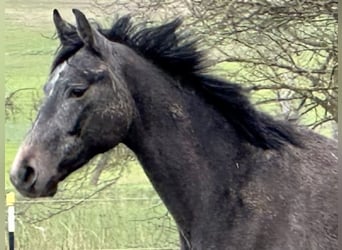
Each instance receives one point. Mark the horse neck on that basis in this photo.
(184, 145)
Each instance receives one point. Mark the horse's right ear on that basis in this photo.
(65, 30)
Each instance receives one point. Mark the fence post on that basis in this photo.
(10, 200)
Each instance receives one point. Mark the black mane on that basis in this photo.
(177, 54)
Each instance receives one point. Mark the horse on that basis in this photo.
(231, 176)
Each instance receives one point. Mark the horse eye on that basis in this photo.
(77, 92)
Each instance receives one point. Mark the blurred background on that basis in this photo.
(283, 52)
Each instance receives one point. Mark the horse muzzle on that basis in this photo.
(29, 177)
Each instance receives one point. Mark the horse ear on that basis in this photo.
(87, 34)
(65, 30)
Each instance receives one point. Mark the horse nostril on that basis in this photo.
(26, 175)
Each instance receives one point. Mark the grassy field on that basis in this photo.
(128, 214)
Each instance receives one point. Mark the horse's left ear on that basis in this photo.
(88, 35)
(64, 29)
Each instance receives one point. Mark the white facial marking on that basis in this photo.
(333, 155)
(36, 122)
(52, 81)
(55, 75)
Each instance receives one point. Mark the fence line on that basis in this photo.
(166, 248)
(139, 243)
(85, 200)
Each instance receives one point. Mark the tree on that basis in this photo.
(13, 107)
(284, 52)
(283, 45)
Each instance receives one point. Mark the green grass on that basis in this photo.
(112, 219)
(100, 225)
(110, 224)
(128, 214)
